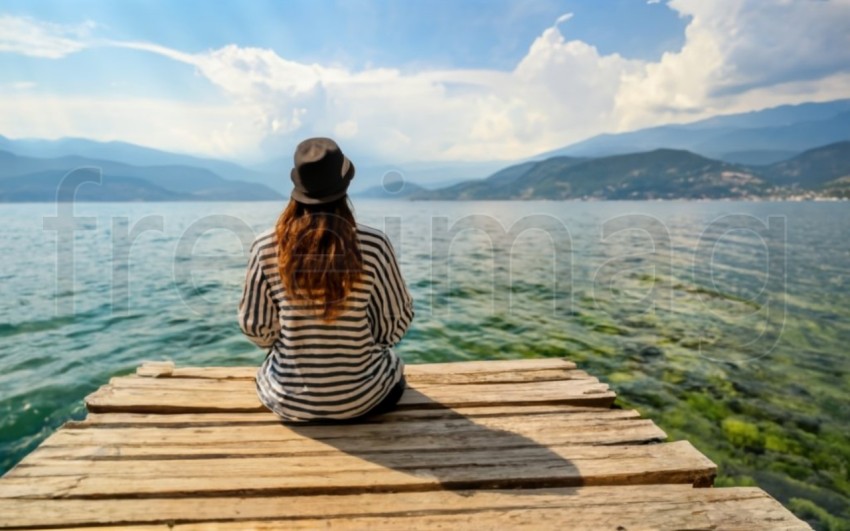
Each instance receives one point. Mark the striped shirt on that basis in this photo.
(317, 369)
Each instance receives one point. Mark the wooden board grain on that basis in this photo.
(422, 436)
(344, 472)
(185, 395)
(629, 507)
(120, 419)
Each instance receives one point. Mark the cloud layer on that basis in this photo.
(738, 55)
(35, 38)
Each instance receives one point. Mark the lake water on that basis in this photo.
(726, 322)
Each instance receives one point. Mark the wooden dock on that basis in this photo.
(527, 444)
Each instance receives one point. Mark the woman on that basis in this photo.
(326, 297)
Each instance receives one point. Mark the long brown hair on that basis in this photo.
(319, 256)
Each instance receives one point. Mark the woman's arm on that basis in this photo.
(258, 315)
(391, 306)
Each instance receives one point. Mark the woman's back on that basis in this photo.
(320, 368)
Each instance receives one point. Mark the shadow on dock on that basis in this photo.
(433, 441)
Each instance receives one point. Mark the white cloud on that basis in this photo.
(27, 36)
(346, 130)
(560, 91)
(735, 49)
(738, 55)
(223, 131)
(563, 18)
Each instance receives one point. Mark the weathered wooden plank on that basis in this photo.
(161, 369)
(155, 369)
(223, 441)
(240, 396)
(642, 434)
(160, 527)
(357, 472)
(120, 419)
(745, 515)
(515, 423)
(662, 507)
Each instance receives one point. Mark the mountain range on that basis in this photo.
(37, 179)
(758, 137)
(660, 174)
(733, 155)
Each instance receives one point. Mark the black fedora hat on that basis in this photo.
(321, 173)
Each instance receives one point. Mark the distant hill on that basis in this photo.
(815, 168)
(444, 173)
(792, 137)
(405, 191)
(37, 179)
(775, 134)
(660, 174)
(42, 187)
(501, 185)
(134, 155)
(758, 157)
(778, 116)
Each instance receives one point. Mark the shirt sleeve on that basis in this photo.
(390, 307)
(258, 314)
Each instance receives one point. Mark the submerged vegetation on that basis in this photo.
(752, 371)
(777, 420)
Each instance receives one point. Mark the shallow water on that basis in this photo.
(726, 322)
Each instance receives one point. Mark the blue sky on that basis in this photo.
(432, 79)
(409, 33)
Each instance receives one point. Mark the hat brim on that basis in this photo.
(299, 196)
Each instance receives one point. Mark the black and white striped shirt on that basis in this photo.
(317, 369)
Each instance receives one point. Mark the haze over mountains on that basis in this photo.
(37, 179)
(762, 153)
(759, 137)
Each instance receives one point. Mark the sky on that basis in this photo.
(405, 80)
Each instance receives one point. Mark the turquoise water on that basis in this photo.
(726, 322)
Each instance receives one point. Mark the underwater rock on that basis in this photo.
(651, 352)
(809, 424)
(749, 388)
(735, 405)
(799, 390)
